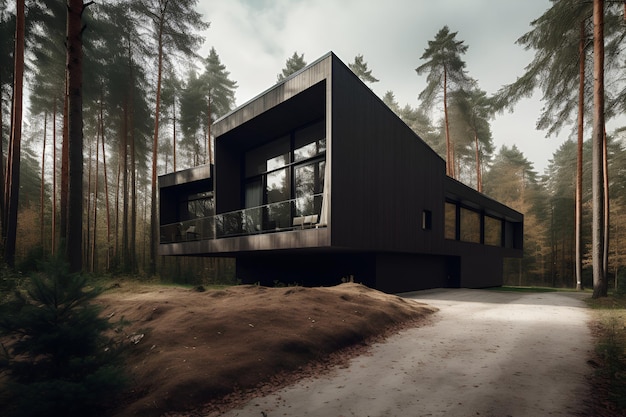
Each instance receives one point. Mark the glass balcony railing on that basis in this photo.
(298, 213)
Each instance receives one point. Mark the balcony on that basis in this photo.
(296, 214)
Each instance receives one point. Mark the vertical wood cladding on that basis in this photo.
(384, 175)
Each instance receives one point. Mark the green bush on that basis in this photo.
(9, 282)
(31, 262)
(56, 356)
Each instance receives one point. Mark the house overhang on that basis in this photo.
(187, 176)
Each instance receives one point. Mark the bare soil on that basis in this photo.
(210, 351)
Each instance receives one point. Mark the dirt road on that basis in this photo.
(487, 353)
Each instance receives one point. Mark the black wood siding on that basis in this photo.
(383, 175)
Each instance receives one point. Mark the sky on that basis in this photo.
(254, 38)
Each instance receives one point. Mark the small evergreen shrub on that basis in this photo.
(31, 262)
(56, 359)
(9, 282)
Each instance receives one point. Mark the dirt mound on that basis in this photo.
(191, 348)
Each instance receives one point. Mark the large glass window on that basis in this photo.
(493, 231)
(200, 205)
(309, 184)
(310, 141)
(278, 196)
(278, 186)
(470, 225)
(268, 157)
(285, 178)
(196, 217)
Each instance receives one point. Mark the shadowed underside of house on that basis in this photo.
(316, 181)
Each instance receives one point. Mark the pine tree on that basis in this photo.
(12, 185)
(561, 41)
(475, 110)
(417, 120)
(513, 181)
(193, 106)
(220, 93)
(172, 24)
(57, 359)
(293, 65)
(359, 67)
(446, 72)
(598, 158)
(74, 43)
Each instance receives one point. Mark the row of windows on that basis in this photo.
(467, 225)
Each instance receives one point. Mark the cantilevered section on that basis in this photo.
(316, 180)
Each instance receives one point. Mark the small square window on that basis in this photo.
(427, 220)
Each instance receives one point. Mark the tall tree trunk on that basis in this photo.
(87, 237)
(116, 249)
(133, 197)
(144, 228)
(106, 183)
(13, 159)
(605, 183)
(131, 250)
(579, 158)
(53, 233)
(154, 221)
(65, 176)
(599, 283)
(449, 157)
(125, 258)
(174, 134)
(616, 253)
(3, 230)
(479, 175)
(94, 257)
(43, 183)
(208, 131)
(552, 246)
(75, 134)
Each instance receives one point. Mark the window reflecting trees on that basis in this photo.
(470, 225)
(493, 231)
(473, 226)
(450, 220)
(286, 177)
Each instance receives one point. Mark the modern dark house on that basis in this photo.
(316, 180)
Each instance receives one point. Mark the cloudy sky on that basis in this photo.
(254, 38)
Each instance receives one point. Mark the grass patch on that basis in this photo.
(609, 327)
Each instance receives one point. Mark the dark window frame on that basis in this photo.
(291, 166)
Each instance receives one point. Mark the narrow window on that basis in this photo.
(427, 220)
(450, 230)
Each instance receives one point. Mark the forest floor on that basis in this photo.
(216, 349)
(609, 379)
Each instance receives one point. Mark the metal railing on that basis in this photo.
(268, 218)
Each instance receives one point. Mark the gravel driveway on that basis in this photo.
(487, 353)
